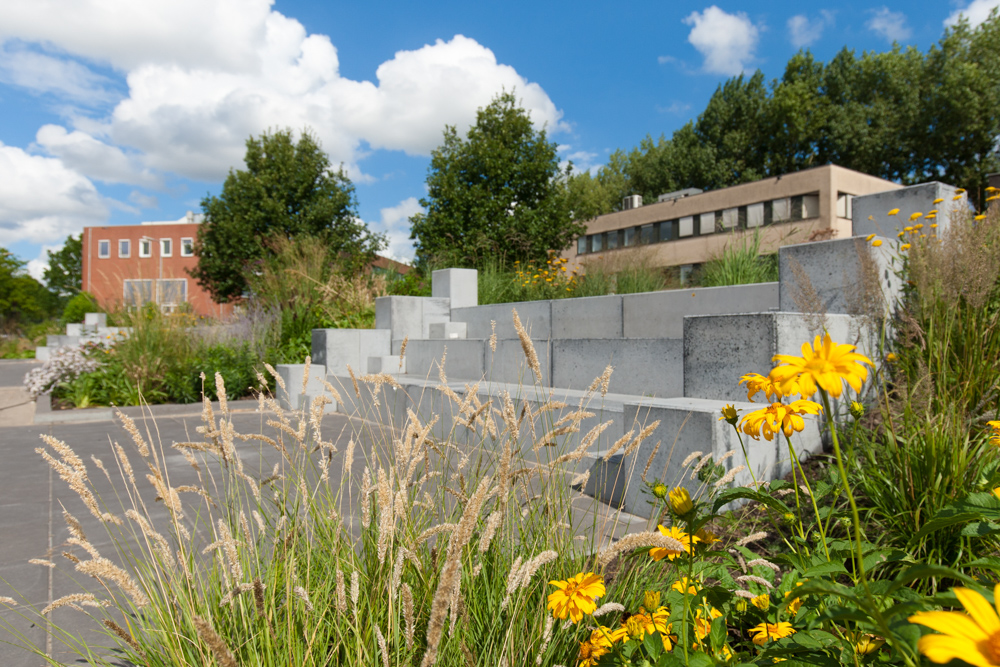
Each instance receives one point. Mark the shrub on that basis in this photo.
(740, 263)
(78, 306)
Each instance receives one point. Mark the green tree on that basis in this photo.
(23, 299)
(288, 189)
(64, 275)
(498, 193)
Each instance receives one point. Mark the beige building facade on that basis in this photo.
(689, 227)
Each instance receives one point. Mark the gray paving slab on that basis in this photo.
(12, 371)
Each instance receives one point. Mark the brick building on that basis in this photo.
(128, 265)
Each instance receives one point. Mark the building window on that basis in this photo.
(124, 248)
(595, 242)
(611, 240)
(686, 226)
(104, 249)
(171, 292)
(145, 248)
(629, 237)
(845, 205)
(581, 245)
(668, 230)
(137, 292)
(781, 210)
(730, 218)
(755, 215)
(810, 206)
(166, 248)
(187, 247)
(646, 234)
(706, 223)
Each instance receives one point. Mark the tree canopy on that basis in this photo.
(903, 115)
(498, 193)
(22, 298)
(288, 189)
(64, 274)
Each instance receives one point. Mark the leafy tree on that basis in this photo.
(288, 189)
(23, 299)
(499, 192)
(64, 275)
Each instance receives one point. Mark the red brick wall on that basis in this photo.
(104, 277)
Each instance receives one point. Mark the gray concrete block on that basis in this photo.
(871, 212)
(643, 366)
(448, 330)
(435, 311)
(385, 405)
(74, 329)
(461, 286)
(718, 349)
(96, 320)
(587, 317)
(464, 359)
(393, 364)
(42, 353)
(536, 316)
(661, 314)
(410, 316)
(839, 276)
(292, 397)
(337, 348)
(508, 363)
(56, 341)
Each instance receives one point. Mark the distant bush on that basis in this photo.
(78, 306)
(740, 264)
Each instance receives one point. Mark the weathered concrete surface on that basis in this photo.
(448, 330)
(410, 316)
(587, 317)
(871, 212)
(643, 366)
(536, 316)
(661, 314)
(295, 395)
(336, 349)
(464, 359)
(459, 286)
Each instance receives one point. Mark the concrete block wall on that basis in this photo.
(871, 212)
(661, 314)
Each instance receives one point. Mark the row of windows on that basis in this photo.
(166, 292)
(742, 217)
(145, 248)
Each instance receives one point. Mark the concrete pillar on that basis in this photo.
(337, 348)
(459, 285)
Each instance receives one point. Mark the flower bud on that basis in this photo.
(857, 410)
(651, 601)
(680, 501)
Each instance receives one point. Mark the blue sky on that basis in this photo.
(117, 111)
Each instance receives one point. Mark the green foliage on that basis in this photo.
(496, 193)
(64, 274)
(740, 263)
(939, 112)
(23, 300)
(287, 190)
(78, 306)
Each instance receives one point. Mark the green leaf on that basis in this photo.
(922, 571)
(654, 645)
(729, 495)
(828, 567)
(976, 506)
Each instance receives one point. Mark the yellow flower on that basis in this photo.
(794, 603)
(930, 216)
(893, 211)
(576, 596)
(981, 216)
(757, 382)
(995, 437)
(869, 237)
(905, 246)
(762, 602)
(900, 235)
(991, 189)
(937, 201)
(730, 414)
(960, 191)
(891, 357)
(825, 365)
(918, 226)
(973, 638)
(659, 553)
(857, 410)
(778, 417)
(996, 492)
(680, 500)
(956, 197)
(636, 626)
(703, 626)
(876, 243)
(915, 216)
(765, 632)
(934, 226)
(651, 599)
(660, 490)
(682, 583)
(993, 198)
(706, 536)
(591, 651)
(868, 644)
(907, 229)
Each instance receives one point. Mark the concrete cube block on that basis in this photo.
(448, 330)
(871, 212)
(42, 353)
(337, 348)
(393, 364)
(644, 367)
(292, 397)
(536, 316)
(661, 314)
(74, 329)
(587, 317)
(463, 361)
(460, 286)
(839, 276)
(95, 320)
(410, 316)
(508, 363)
(385, 405)
(718, 349)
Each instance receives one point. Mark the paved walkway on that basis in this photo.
(16, 406)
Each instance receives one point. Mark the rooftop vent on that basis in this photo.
(632, 201)
(680, 194)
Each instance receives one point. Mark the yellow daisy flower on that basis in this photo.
(762, 602)
(777, 417)
(576, 596)
(825, 365)
(680, 500)
(893, 211)
(876, 243)
(973, 637)
(868, 644)
(682, 583)
(938, 200)
(765, 632)
(659, 553)
(905, 246)
(756, 382)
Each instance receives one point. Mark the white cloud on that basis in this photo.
(889, 24)
(395, 223)
(143, 200)
(977, 12)
(42, 73)
(674, 108)
(36, 267)
(85, 154)
(727, 41)
(41, 200)
(803, 31)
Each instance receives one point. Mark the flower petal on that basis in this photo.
(942, 649)
(952, 623)
(980, 610)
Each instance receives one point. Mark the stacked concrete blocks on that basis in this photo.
(595, 317)
(871, 212)
(536, 316)
(336, 349)
(459, 286)
(643, 366)
(299, 391)
(661, 314)
(448, 330)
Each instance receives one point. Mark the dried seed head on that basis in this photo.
(214, 642)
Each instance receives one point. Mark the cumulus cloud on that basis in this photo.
(83, 153)
(727, 41)
(143, 200)
(977, 12)
(803, 31)
(395, 224)
(41, 200)
(43, 73)
(889, 24)
(36, 267)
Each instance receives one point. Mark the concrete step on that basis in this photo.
(448, 330)
(392, 363)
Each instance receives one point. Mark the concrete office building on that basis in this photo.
(686, 228)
